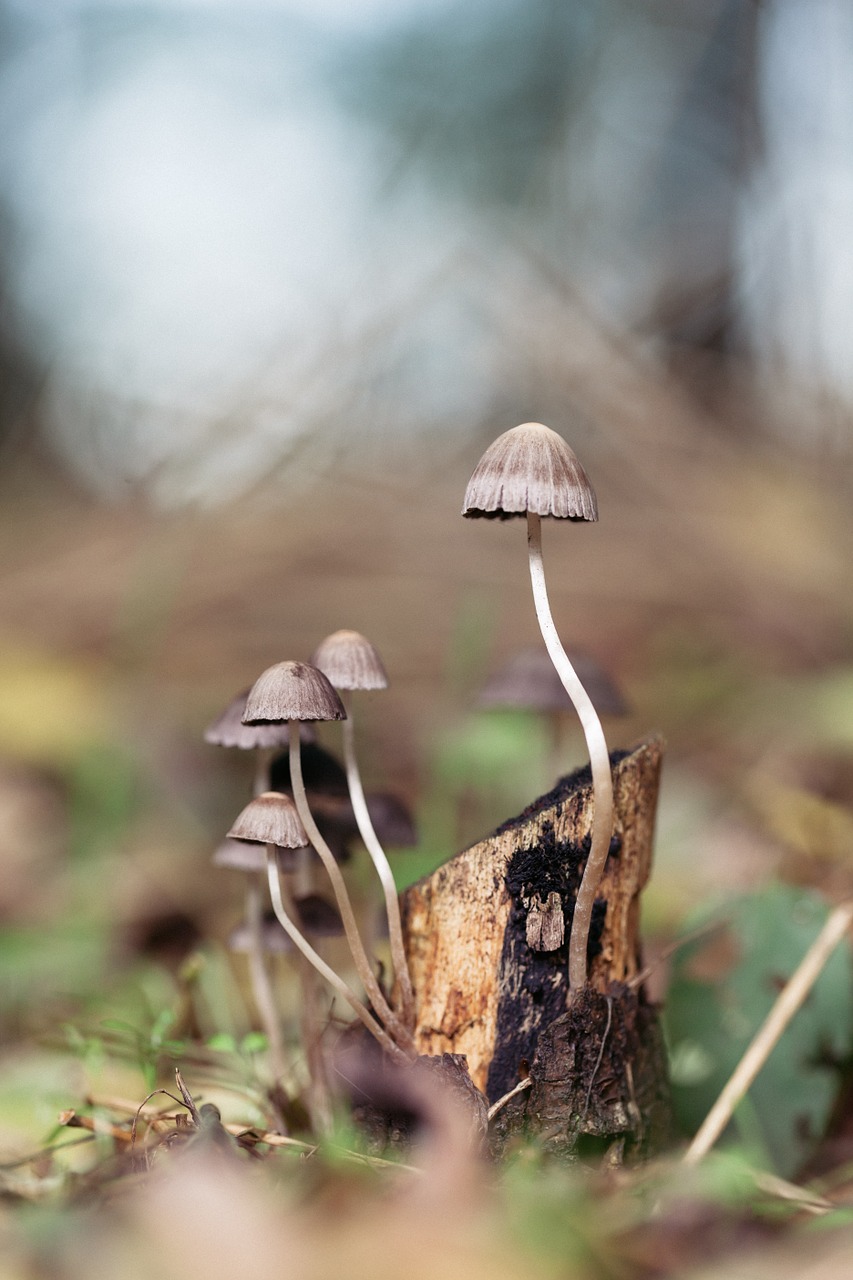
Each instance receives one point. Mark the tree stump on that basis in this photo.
(486, 937)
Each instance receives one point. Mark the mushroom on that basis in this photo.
(294, 692)
(272, 819)
(351, 662)
(531, 471)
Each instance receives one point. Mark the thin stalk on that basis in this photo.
(599, 758)
(359, 955)
(320, 964)
(259, 975)
(383, 869)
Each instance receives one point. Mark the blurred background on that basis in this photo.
(273, 275)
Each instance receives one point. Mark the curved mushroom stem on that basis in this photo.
(259, 976)
(374, 992)
(320, 964)
(383, 868)
(599, 758)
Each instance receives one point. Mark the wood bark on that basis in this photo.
(475, 933)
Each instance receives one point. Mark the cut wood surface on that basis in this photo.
(481, 988)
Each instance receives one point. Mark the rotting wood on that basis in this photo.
(484, 991)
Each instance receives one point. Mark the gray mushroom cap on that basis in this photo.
(292, 691)
(530, 468)
(270, 818)
(350, 661)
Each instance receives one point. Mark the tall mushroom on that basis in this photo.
(272, 819)
(531, 471)
(351, 662)
(295, 692)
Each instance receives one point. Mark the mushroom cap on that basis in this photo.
(529, 680)
(228, 730)
(530, 468)
(292, 691)
(270, 818)
(350, 661)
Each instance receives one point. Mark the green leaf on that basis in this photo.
(723, 986)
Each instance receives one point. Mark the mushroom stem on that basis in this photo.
(320, 964)
(599, 758)
(259, 976)
(359, 955)
(383, 868)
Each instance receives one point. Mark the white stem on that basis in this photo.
(599, 758)
(383, 869)
(319, 963)
(359, 955)
(788, 1002)
(259, 976)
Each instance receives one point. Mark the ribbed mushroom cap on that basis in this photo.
(350, 661)
(530, 680)
(292, 691)
(270, 818)
(228, 730)
(530, 468)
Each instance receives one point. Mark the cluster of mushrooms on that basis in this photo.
(528, 471)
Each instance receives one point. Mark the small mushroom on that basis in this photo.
(351, 662)
(294, 692)
(531, 471)
(274, 815)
